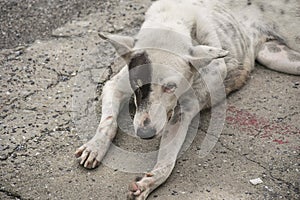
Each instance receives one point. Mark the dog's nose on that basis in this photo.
(146, 133)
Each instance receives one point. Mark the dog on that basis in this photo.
(184, 52)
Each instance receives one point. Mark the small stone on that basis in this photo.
(296, 84)
(256, 181)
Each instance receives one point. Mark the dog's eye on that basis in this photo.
(169, 87)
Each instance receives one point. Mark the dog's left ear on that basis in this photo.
(201, 55)
(122, 44)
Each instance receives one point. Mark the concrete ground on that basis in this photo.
(49, 96)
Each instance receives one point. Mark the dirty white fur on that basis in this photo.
(198, 46)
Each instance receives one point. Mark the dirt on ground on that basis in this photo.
(50, 101)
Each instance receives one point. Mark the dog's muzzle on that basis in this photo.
(146, 133)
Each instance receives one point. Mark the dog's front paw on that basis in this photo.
(91, 153)
(140, 188)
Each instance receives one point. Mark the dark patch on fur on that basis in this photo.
(142, 96)
(138, 178)
(191, 52)
(140, 76)
(231, 27)
(273, 48)
(269, 30)
(202, 38)
(236, 77)
(185, 105)
(262, 8)
(223, 28)
(138, 59)
(235, 40)
(249, 2)
(293, 57)
(297, 40)
(177, 115)
(282, 12)
(204, 71)
(235, 80)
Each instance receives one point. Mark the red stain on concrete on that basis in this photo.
(280, 141)
(258, 126)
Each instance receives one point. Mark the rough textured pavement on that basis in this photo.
(49, 96)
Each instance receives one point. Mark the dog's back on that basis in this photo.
(281, 17)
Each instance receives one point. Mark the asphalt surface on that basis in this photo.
(49, 93)
(22, 22)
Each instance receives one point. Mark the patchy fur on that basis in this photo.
(184, 54)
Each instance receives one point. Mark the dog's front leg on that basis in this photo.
(114, 93)
(171, 143)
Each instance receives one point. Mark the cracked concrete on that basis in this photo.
(50, 101)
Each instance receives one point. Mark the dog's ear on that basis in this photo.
(122, 44)
(201, 55)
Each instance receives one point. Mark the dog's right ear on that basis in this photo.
(122, 44)
(201, 55)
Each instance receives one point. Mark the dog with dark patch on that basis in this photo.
(184, 52)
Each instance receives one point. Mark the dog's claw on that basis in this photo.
(84, 156)
(79, 151)
(95, 164)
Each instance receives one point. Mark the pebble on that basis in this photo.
(256, 181)
(296, 84)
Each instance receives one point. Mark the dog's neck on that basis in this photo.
(164, 39)
(167, 29)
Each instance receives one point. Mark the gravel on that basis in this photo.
(22, 22)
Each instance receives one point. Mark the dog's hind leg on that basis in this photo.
(171, 143)
(114, 93)
(279, 57)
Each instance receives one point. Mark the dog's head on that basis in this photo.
(158, 78)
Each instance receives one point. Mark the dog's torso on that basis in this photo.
(240, 27)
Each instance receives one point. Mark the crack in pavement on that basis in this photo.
(61, 77)
(11, 194)
(273, 178)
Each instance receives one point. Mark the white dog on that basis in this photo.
(183, 48)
